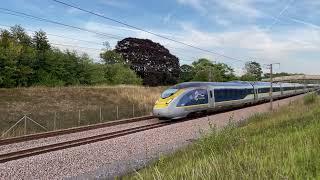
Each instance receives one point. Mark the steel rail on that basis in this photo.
(71, 130)
(78, 142)
(86, 140)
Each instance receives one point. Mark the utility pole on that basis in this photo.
(210, 74)
(271, 84)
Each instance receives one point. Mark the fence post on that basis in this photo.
(100, 114)
(54, 121)
(117, 112)
(79, 121)
(133, 110)
(25, 125)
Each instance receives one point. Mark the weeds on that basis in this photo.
(310, 98)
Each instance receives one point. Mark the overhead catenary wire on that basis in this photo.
(60, 36)
(74, 46)
(25, 15)
(182, 57)
(22, 14)
(146, 31)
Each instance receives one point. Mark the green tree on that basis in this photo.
(205, 70)
(40, 41)
(187, 73)
(27, 61)
(20, 35)
(121, 74)
(253, 72)
(116, 69)
(90, 73)
(111, 57)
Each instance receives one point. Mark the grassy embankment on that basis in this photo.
(62, 105)
(280, 145)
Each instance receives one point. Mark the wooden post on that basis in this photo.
(54, 121)
(79, 121)
(133, 110)
(117, 112)
(25, 125)
(100, 115)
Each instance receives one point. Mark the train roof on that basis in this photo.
(243, 84)
(199, 84)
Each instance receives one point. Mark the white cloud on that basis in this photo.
(221, 21)
(251, 42)
(167, 18)
(196, 4)
(116, 3)
(240, 7)
(74, 11)
(242, 43)
(234, 8)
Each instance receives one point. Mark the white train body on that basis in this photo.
(184, 99)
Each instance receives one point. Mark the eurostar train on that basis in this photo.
(188, 98)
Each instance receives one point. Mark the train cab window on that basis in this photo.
(194, 97)
(169, 92)
(211, 96)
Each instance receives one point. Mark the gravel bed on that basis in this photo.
(67, 137)
(115, 157)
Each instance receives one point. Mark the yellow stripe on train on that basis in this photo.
(163, 103)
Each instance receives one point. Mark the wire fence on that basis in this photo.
(16, 124)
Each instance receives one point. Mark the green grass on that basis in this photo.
(281, 145)
(310, 98)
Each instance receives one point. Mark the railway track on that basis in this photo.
(78, 142)
(81, 141)
(71, 130)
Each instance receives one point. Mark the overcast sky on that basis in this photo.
(284, 31)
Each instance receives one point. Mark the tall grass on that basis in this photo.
(280, 145)
(60, 106)
(310, 98)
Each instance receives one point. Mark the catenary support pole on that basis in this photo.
(271, 84)
(271, 88)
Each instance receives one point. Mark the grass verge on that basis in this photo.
(280, 145)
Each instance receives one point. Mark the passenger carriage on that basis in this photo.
(184, 99)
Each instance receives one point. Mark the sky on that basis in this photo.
(266, 31)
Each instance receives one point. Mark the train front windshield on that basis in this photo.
(169, 92)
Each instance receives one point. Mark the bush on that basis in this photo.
(121, 74)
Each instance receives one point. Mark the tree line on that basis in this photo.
(30, 60)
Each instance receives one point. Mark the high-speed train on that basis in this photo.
(188, 98)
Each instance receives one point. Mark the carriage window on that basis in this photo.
(194, 97)
(230, 94)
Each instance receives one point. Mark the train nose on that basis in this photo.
(163, 112)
